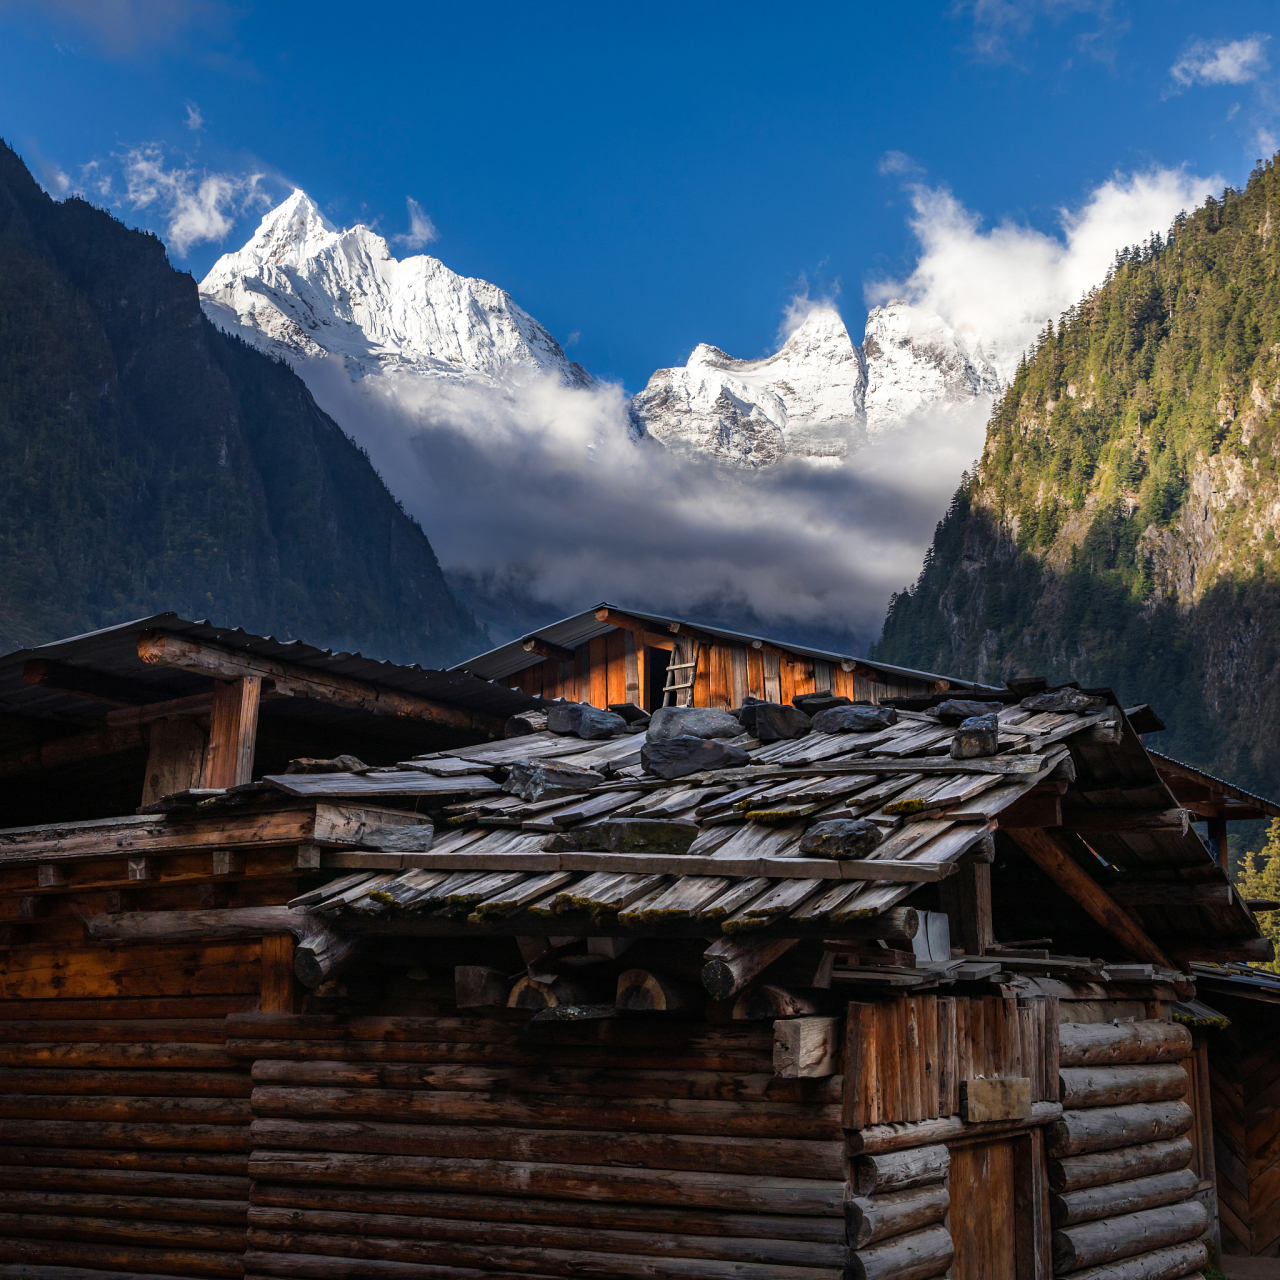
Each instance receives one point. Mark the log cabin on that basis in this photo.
(320, 967)
(611, 656)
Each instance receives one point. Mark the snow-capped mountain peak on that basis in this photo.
(916, 361)
(818, 398)
(302, 287)
(806, 399)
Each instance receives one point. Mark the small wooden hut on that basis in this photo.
(609, 656)
(513, 1003)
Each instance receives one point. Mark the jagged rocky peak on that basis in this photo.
(806, 400)
(915, 361)
(302, 288)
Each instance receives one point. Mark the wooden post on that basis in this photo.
(229, 758)
(966, 898)
(1218, 839)
(276, 984)
(176, 759)
(1078, 884)
(631, 659)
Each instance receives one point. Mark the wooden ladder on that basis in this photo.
(681, 649)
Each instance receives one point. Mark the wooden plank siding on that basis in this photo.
(1244, 1088)
(613, 668)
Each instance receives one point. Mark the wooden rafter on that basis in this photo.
(1073, 880)
(161, 649)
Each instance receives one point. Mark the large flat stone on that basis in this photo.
(692, 722)
(677, 757)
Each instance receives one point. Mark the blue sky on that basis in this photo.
(645, 177)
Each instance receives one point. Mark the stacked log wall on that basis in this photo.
(1122, 1195)
(124, 1133)
(476, 1145)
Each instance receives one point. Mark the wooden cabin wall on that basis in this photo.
(1122, 1189)
(124, 1124)
(472, 1143)
(611, 669)
(1244, 1078)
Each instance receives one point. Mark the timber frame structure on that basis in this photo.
(609, 656)
(479, 999)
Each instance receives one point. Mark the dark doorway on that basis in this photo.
(655, 665)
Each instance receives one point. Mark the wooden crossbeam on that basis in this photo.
(291, 681)
(95, 686)
(1079, 885)
(547, 649)
(72, 750)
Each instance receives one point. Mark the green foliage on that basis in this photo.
(153, 463)
(1259, 877)
(1047, 562)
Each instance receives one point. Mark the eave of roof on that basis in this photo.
(511, 658)
(113, 651)
(1269, 807)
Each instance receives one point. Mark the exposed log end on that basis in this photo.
(319, 955)
(480, 987)
(530, 993)
(640, 991)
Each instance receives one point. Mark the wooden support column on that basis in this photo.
(1078, 884)
(233, 733)
(176, 760)
(966, 898)
(1218, 839)
(276, 991)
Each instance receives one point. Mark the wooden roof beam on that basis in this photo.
(95, 686)
(162, 649)
(546, 649)
(71, 750)
(627, 623)
(1079, 885)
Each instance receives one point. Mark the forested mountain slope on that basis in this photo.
(1122, 524)
(150, 462)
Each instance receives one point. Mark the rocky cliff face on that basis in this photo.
(1124, 525)
(153, 463)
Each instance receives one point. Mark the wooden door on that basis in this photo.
(983, 1215)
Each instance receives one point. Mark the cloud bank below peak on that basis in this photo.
(541, 482)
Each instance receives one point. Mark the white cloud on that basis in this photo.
(543, 487)
(1221, 62)
(573, 338)
(196, 206)
(899, 163)
(546, 488)
(422, 231)
(999, 285)
(195, 119)
(802, 305)
(998, 25)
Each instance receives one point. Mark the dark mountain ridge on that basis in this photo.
(151, 462)
(1122, 525)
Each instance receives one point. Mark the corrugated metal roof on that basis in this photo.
(1229, 788)
(510, 658)
(113, 651)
